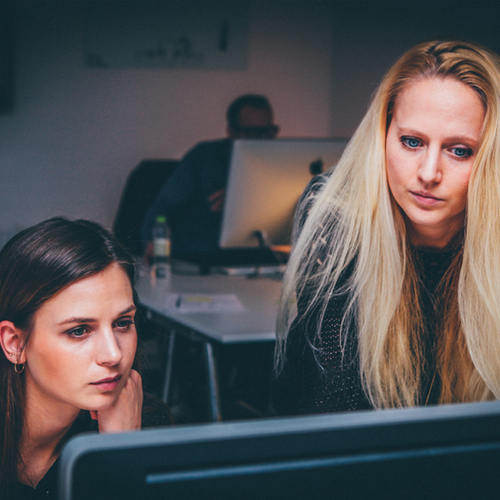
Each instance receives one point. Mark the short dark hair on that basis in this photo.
(253, 100)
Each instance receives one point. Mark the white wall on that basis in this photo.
(76, 132)
(369, 35)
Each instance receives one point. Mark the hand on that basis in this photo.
(216, 200)
(126, 412)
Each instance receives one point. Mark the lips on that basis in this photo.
(108, 384)
(425, 198)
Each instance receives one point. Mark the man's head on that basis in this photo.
(250, 116)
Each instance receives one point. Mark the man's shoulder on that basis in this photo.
(208, 155)
(215, 146)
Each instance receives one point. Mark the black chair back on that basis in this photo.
(142, 188)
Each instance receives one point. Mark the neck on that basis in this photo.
(437, 238)
(41, 441)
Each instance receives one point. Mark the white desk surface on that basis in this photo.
(259, 297)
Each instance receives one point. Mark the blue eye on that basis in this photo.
(462, 152)
(124, 324)
(410, 142)
(78, 332)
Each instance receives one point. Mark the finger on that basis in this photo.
(135, 378)
(125, 413)
(216, 195)
(217, 207)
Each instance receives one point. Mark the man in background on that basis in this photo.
(193, 201)
(193, 197)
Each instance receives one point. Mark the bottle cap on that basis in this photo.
(161, 219)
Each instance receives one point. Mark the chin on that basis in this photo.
(101, 402)
(424, 221)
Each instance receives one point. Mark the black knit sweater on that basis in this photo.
(321, 376)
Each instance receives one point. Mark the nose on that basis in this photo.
(108, 350)
(429, 170)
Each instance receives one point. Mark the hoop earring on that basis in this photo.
(17, 369)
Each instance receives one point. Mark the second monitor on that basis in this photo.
(266, 179)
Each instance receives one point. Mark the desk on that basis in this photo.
(255, 323)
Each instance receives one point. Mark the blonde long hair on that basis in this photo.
(354, 221)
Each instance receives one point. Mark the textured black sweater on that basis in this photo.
(332, 382)
(320, 377)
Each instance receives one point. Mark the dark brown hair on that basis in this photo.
(35, 265)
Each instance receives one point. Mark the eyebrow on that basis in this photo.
(76, 319)
(464, 138)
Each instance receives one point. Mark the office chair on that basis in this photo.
(142, 187)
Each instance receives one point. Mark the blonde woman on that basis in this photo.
(392, 293)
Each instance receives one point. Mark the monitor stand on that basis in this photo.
(262, 256)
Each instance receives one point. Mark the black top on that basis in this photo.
(184, 198)
(155, 413)
(319, 376)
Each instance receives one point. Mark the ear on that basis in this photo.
(11, 339)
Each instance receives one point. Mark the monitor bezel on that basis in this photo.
(353, 436)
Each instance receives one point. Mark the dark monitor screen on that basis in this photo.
(450, 451)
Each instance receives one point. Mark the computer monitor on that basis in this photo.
(266, 179)
(449, 451)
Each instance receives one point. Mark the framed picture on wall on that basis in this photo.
(168, 35)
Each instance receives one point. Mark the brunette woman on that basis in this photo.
(67, 331)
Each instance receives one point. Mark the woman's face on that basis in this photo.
(430, 149)
(82, 346)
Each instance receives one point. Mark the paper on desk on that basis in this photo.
(193, 303)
